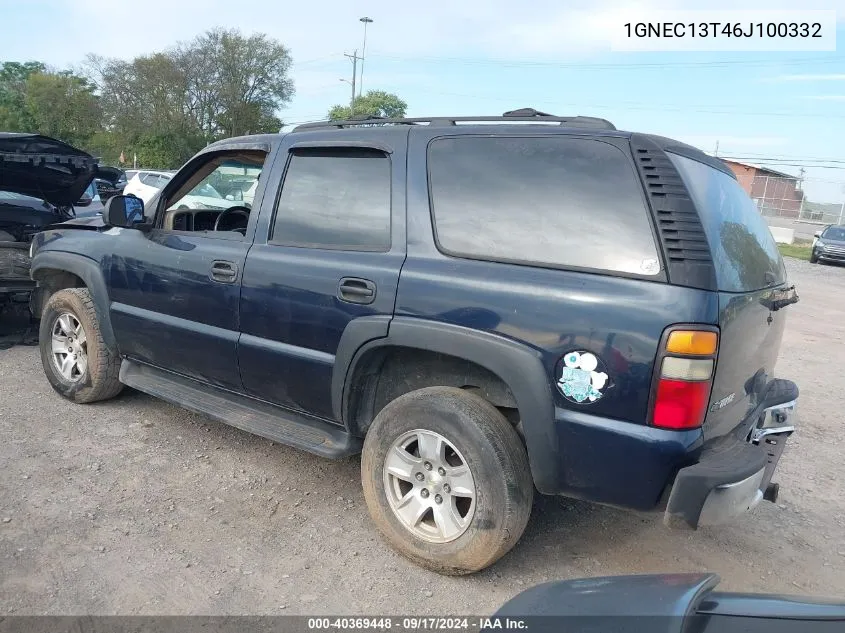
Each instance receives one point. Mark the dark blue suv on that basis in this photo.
(481, 306)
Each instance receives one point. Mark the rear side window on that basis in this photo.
(744, 252)
(548, 201)
(335, 198)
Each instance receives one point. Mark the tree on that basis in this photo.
(166, 106)
(250, 75)
(373, 103)
(62, 105)
(14, 116)
(58, 104)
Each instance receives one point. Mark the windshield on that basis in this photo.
(836, 233)
(206, 190)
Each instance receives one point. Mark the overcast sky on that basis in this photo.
(488, 56)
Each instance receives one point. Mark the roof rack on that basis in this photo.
(523, 115)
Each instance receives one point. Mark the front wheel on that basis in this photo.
(77, 361)
(813, 257)
(446, 480)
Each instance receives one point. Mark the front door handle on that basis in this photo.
(355, 290)
(224, 272)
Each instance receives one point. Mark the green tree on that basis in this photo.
(58, 104)
(14, 116)
(62, 105)
(373, 103)
(168, 105)
(251, 79)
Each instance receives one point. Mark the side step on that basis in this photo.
(254, 416)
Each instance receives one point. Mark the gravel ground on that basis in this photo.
(137, 507)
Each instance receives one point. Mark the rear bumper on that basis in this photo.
(733, 477)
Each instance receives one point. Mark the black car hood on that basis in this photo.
(43, 167)
(110, 174)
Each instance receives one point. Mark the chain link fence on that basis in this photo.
(784, 197)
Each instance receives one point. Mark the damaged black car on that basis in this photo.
(43, 182)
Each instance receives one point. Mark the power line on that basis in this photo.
(628, 105)
(784, 161)
(762, 163)
(751, 156)
(315, 60)
(658, 65)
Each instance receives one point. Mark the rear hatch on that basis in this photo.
(753, 291)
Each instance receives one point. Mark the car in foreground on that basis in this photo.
(829, 245)
(674, 603)
(480, 306)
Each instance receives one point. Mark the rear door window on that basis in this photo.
(549, 201)
(335, 198)
(744, 252)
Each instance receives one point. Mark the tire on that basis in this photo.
(814, 259)
(98, 379)
(485, 442)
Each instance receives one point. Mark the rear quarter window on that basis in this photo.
(744, 252)
(553, 201)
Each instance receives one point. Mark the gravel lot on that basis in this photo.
(137, 507)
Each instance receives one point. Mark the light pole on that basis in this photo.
(366, 21)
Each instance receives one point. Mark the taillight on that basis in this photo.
(684, 377)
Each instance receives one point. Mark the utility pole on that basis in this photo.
(366, 21)
(354, 58)
(716, 151)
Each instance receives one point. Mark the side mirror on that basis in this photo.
(818, 233)
(124, 211)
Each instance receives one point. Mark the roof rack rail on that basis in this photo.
(529, 115)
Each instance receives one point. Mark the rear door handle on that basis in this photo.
(224, 272)
(355, 290)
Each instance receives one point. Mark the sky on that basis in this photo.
(481, 57)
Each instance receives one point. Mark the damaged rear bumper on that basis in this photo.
(733, 477)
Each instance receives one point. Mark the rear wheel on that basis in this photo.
(76, 360)
(446, 480)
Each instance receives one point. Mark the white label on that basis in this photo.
(721, 30)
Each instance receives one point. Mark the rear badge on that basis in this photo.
(721, 404)
(582, 377)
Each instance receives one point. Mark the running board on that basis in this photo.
(248, 414)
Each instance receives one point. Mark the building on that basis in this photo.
(775, 192)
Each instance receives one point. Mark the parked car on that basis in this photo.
(110, 181)
(204, 197)
(480, 306)
(665, 602)
(42, 182)
(829, 245)
(145, 184)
